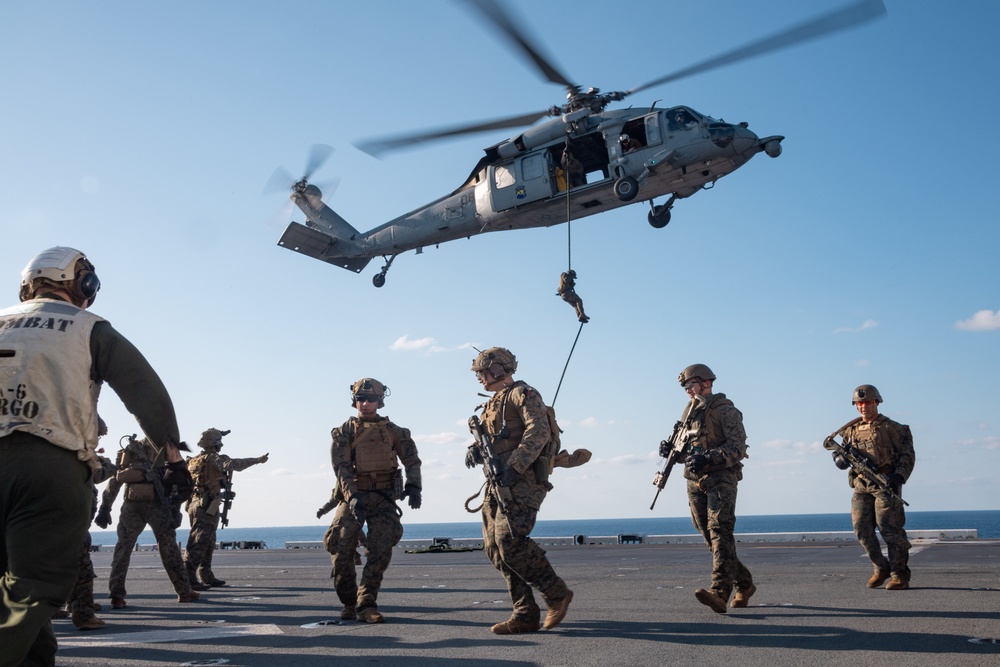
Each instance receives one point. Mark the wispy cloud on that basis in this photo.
(427, 345)
(867, 324)
(983, 320)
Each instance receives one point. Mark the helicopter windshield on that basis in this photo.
(681, 118)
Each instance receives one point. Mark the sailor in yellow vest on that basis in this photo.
(365, 453)
(54, 357)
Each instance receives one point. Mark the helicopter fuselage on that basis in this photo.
(524, 182)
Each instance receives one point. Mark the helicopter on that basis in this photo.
(598, 158)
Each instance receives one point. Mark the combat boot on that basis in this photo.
(515, 626)
(188, 597)
(742, 598)
(193, 579)
(85, 621)
(118, 603)
(349, 613)
(711, 599)
(897, 583)
(370, 615)
(557, 611)
(878, 578)
(212, 581)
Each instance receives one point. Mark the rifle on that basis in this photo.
(678, 445)
(227, 495)
(154, 474)
(861, 464)
(491, 464)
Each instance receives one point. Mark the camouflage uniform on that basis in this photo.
(81, 599)
(518, 421)
(889, 445)
(378, 485)
(567, 290)
(208, 470)
(135, 516)
(712, 492)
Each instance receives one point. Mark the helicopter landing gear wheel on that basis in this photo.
(626, 188)
(659, 217)
(379, 278)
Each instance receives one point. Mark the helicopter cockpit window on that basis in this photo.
(680, 119)
(503, 175)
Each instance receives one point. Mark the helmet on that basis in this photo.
(212, 438)
(866, 392)
(700, 371)
(61, 267)
(369, 386)
(499, 360)
(623, 138)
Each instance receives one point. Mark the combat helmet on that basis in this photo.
(212, 439)
(693, 371)
(369, 386)
(499, 360)
(866, 392)
(60, 267)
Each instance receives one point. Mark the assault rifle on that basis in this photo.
(491, 463)
(227, 494)
(676, 453)
(675, 448)
(861, 465)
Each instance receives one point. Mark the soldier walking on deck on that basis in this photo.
(888, 446)
(364, 453)
(517, 421)
(208, 470)
(142, 506)
(712, 469)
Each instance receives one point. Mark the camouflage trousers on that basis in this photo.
(519, 559)
(341, 540)
(713, 512)
(81, 599)
(134, 518)
(201, 541)
(869, 510)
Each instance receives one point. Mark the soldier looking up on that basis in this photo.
(364, 453)
(54, 356)
(888, 445)
(209, 471)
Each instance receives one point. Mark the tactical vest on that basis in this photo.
(206, 475)
(869, 438)
(45, 383)
(503, 421)
(373, 452)
(134, 471)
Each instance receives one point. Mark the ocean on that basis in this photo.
(986, 522)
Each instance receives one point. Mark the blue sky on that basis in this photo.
(143, 133)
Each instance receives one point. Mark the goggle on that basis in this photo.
(365, 398)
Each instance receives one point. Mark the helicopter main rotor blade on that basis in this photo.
(502, 21)
(318, 154)
(377, 147)
(841, 19)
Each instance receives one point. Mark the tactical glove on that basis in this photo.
(665, 448)
(320, 513)
(840, 461)
(103, 518)
(412, 492)
(509, 477)
(696, 463)
(895, 482)
(357, 507)
(473, 457)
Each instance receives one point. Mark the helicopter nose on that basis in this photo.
(744, 139)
